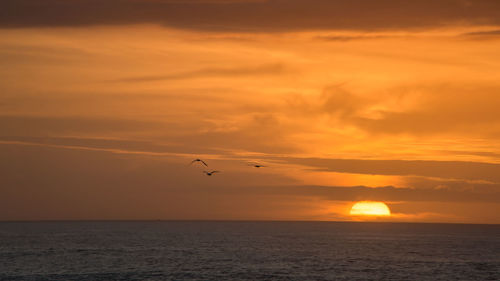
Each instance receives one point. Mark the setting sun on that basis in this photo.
(369, 208)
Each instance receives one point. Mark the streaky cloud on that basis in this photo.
(268, 69)
(428, 168)
(482, 35)
(345, 38)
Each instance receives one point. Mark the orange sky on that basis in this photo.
(103, 105)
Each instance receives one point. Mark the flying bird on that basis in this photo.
(210, 173)
(198, 160)
(256, 165)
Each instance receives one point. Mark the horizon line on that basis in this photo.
(227, 220)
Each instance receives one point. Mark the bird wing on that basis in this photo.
(203, 162)
(215, 172)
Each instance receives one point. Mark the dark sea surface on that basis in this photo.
(160, 250)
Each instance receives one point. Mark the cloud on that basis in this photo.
(345, 38)
(261, 16)
(268, 69)
(419, 110)
(255, 132)
(427, 168)
(122, 146)
(488, 34)
(258, 132)
(49, 126)
(38, 53)
(389, 193)
(473, 153)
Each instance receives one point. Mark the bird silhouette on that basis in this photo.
(210, 173)
(198, 160)
(256, 165)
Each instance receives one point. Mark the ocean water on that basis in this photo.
(159, 250)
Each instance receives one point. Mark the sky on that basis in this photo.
(103, 105)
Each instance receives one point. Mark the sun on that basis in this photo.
(370, 208)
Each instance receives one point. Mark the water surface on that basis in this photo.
(165, 250)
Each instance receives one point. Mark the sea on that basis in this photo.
(226, 250)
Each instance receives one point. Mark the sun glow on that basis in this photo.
(370, 208)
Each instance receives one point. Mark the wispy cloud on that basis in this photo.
(410, 109)
(268, 69)
(13, 125)
(121, 146)
(345, 38)
(487, 34)
(389, 194)
(438, 169)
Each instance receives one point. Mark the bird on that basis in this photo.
(210, 173)
(198, 160)
(256, 165)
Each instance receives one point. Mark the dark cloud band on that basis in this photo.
(262, 16)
